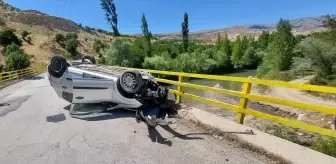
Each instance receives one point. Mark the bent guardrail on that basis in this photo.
(13, 75)
(245, 95)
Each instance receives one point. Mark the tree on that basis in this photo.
(147, 35)
(279, 52)
(263, 40)
(24, 34)
(120, 53)
(185, 31)
(237, 53)
(329, 22)
(321, 54)
(283, 44)
(250, 59)
(218, 41)
(7, 36)
(71, 46)
(227, 45)
(111, 15)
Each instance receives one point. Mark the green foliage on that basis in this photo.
(101, 60)
(227, 45)
(24, 34)
(185, 31)
(59, 38)
(98, 45)
(147, 35)
(250, 59)
(66, 55)
(321, 54)
(120, 53)
(159, 62)
(13, 48)
(111, 15)
(71, 46)
(237, 53)
(145, 31)
(15, 58)
(263, 40)
(7, 37)
(279, 54)
(325, 145)
(71, 36)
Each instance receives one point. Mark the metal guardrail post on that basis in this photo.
(179, 89)
(243, 103)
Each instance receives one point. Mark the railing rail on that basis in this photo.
(245, 96)
(13, 75)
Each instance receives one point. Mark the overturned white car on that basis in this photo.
(84, 82)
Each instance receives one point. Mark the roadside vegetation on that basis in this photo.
(15, 58)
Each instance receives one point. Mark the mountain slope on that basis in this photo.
(43, 28)
(302, 26)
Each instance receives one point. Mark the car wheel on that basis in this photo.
(91, 58)
(131, 82)
(57, 66)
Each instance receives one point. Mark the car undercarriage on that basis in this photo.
(85, 82)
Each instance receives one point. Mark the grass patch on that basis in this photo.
(326, 145)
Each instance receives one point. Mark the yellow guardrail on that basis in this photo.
(13, 75)
(245, 96)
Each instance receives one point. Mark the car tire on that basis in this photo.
(130, 82)
(58, 65)
(91, 58)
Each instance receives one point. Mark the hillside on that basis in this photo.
(302, 26)
(43, 29)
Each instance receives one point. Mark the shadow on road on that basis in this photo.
(35, 78)
(156, 137)
(56, 118)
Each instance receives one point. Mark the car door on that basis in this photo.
(92, 89)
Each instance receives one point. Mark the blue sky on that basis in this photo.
(167, 15)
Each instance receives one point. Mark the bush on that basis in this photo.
(59, 38)
(17, 60)
(98, 45)
(71, 36)
(8, 36)
(325, 145)
(71, 46)
(24, 34)
(120, 53)
(101, 60)
(2, 22)
(12, 48)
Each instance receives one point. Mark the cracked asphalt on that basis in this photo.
(35, 127)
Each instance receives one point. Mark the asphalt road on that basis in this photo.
(35, 128)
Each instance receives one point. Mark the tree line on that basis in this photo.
(276, 55)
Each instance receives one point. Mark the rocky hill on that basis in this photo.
(302, 26)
